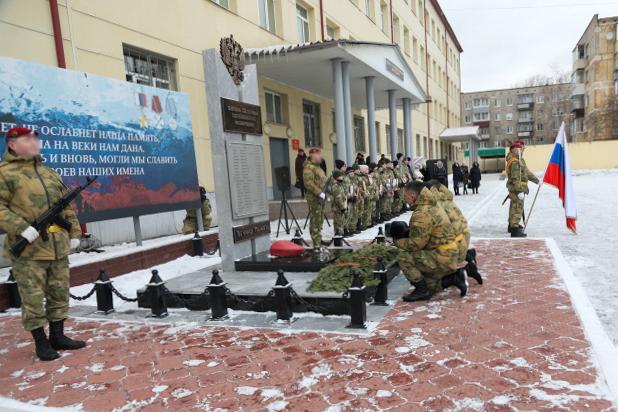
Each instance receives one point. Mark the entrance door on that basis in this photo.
(279, 157)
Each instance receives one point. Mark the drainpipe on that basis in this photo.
(392, 27)
(427, 68)
(53, 7)
(322, 18)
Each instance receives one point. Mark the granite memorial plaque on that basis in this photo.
(251, 231)
(247, 179)
(241, 117)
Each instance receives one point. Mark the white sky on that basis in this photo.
(506, 41)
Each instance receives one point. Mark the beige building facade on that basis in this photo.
(160, 43)
(595, 68)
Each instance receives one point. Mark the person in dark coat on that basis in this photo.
(323, 165)
(298, 168)
(475, 177)
(360, 158)
(457, 177)
(466, 178)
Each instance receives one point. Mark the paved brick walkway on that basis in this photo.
(513, 344)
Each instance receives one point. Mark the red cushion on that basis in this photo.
(285, 248)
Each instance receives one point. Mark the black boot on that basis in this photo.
(471, 268)
(511, 228)
(58, 340)
(517, 232)
(44, 351)
(421, 292)
(457, 279)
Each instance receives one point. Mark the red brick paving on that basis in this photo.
(512, 344)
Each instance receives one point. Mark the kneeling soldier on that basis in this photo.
(430, 254)
(27, 189)
(189, 224)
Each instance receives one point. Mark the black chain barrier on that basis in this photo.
(86, 296)
(120, 295)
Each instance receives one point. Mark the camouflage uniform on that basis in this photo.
(27, 189)
(430, 252)
(518, 175)
(386, 203)
(457, 218)
(352, 215)
(314, 180)
(398, 196)
(369, 200)
(189, 225)
(338, 205)
(360, 198)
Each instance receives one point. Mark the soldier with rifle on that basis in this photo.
(41, 230)
(518, 175)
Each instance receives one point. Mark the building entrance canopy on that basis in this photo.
(371, 75)
(469, 135)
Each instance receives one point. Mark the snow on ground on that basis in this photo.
(591, 253)
(128, 284)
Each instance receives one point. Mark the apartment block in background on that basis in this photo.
(595, 79)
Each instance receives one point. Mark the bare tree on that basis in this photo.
(555, 75)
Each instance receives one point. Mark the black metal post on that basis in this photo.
(283, 295)
(218, 299)
(382, 289)
(380, 238)
(298, 238)
(103, 289)
(156, 292)
(357, 303)
(14, 298)
(337, 241)
(198, 245)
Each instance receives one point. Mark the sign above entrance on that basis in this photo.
(241, 117)
(393, 69)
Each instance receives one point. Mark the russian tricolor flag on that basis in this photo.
(558, 174)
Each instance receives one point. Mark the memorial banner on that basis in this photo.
(137, 139)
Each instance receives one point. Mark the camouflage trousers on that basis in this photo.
(44, 290)
(189, 224)
(368, 212)
(338, 221)
(352, 216)
(316, 219)
(360, 209)
(516, 210)
(398, 202)
(430, 265)
(386, 204)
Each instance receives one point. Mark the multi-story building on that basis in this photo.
(532, 114)
(595, 68)
(162, 47)
(161, 43)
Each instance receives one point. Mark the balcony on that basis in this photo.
(580, 64)
(579, 89)
(525, 120)
(525, 106)
(485, 136)
(481, 123)
(577, 105)
(525, 134)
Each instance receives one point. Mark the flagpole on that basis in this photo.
(532, 207)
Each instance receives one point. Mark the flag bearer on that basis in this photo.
(314, 179)
(27, 189)
(518, 175)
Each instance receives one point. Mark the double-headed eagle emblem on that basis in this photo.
(233, 57)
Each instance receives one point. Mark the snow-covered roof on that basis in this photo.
(454, 134)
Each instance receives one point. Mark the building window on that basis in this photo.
(509, 116)
(526, 98)
(147, 68)
(540, 99)
(311, 121)
(498, 117)
(359, 133)
(509, 130)
(274, 113)
(539, 127)
(332, 31)
(369, 9)
(497, 143)
(468, 105)
(509, 101)
(266, 9)
(423, 57)
(222, 3)
(481, 102)
(302, 23)
(406, 40)
(383, 18)
(497, 102)
(468, 118)
(415, 49)
(481, 116)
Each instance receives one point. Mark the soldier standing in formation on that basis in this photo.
(518, 175)
(339, 202)
(28, 189)
(314, 179)
(352, 187)
(388, 178)
(430, 252)
(189, 224)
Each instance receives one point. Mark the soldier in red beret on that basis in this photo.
(27, 189)
(518, 175)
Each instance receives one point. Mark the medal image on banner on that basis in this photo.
(172, 123)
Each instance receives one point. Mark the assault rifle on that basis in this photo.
(51, 217)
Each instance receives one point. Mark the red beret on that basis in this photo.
(315, 150)
(517, 144)
(19, 131)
